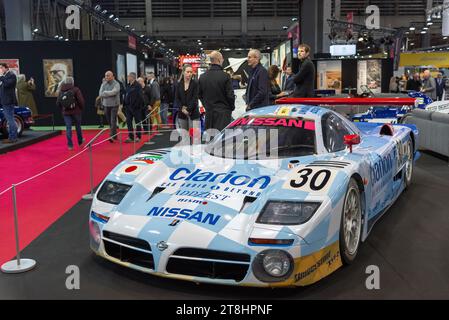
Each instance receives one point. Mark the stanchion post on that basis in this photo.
(19, 265)
(90, 195)
(121, 146)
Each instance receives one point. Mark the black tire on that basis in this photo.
(408, 168)
(20, 127)
(348, 251)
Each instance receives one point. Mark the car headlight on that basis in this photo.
(113, 192)
(95, 235)
(273, 265)
(287, 212)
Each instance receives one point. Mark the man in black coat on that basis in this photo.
(133, 104)
(258, 84)
(216, 94)
(8, 100)
(305, 78)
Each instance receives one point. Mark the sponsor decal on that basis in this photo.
(201, 195)
(381, 168)
(150, 159)
(185, 174)
(318, 265)
(188, 200)
(184, 214)
(274, 122)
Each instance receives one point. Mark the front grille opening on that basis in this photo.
(128, 255)
(130, 241)
(212, 254)
(207, 269)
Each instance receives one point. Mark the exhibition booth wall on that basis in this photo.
(86, 61)
(339, 74)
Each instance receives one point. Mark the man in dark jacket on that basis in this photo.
(289, 83)
(305, 78)
(216, 94)
(8, 100)
(440, 86)
(72, 111)
(133, 104)
(257, 89)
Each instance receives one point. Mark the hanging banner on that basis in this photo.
(434, 59)
(445, 16)
(329, 75)
(369, 75)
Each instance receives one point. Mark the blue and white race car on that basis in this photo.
(286, 209)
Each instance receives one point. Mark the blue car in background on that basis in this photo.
(385, 114)
(23, 118)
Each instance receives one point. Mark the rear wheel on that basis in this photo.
(351, 223)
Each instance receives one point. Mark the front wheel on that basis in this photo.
(19, 125)
(351, 223)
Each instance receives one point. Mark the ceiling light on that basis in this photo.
(36, 30)
(284, 27)
(412, 28)
(294, 19)
(444, 38)
(423, 32)
(111, 16)
(142, 35)
(429, 23)
(104, 11)
(98, 8)
(425, 28)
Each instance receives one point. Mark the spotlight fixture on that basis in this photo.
(444, 38)
(104, 12)
(133, 29)
(284, 28)
(98, 8)
(36, 30)
(56, 36)
(142, 35)
(61, 37)
(127, 26)
(116, 20)
(294, 19)
(111, 16)
(429, 23)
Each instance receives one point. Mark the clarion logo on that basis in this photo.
(185, 214)
(381, 168)
(236, 180)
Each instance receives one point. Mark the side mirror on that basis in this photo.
(350, 140)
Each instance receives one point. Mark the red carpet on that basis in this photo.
(43, 200)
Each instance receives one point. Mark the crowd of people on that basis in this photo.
(144, 103)
(435, 88)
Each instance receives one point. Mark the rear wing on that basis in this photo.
(349, 101)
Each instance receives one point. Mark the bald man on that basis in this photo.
(257, 90)
(216, 94)
(428, 85)
(110, 99)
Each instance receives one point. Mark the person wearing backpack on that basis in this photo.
(71, 102)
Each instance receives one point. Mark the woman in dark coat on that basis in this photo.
(187, 97)
(71, 114)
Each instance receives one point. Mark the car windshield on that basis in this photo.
(265, 137)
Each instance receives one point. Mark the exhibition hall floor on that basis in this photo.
(409, 245)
